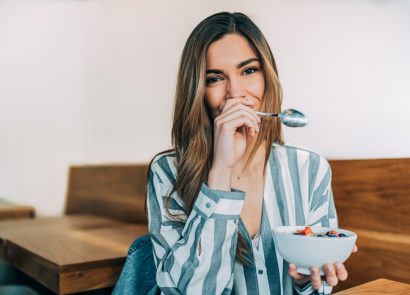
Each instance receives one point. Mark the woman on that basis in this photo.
(213, 200)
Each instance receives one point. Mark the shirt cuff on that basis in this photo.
(304, 290)
(219, 204)
(308, 289)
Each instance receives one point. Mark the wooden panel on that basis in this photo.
(373, 194)
(372, 198)
(380, 254)
(12, 211)
(380, 286)
(116, 191)
(91, 279)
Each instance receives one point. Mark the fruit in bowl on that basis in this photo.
(307, 247)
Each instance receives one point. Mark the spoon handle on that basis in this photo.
(267, 114)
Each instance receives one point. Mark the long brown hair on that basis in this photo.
(192, 130)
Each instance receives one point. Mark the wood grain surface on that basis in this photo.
(380, 286)
(373, 194)
(372, 198)
(44, 225)
(9, 211)
(115, 191)
(73, 253)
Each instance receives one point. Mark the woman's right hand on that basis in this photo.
(237, 119)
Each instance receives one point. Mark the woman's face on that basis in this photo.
(233, 70)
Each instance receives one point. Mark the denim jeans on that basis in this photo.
(138, 275)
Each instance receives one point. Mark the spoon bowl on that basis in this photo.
(290, 117)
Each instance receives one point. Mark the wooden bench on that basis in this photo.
(372, 198)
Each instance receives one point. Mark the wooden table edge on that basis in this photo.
(372, 283)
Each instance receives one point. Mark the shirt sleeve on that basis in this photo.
(197, 253)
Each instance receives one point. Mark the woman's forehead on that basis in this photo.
(229, 51)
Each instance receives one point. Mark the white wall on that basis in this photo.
(93, 81)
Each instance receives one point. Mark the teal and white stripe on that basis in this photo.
(297, 192)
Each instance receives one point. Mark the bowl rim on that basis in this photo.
(281, 229)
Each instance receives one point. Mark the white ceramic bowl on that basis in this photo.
(310, 251)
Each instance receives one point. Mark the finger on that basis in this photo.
(293, 272)
(240, 106)
(330, 272)
(251, 131)
(223, 119)
(315, 278)
(232, 101)
(255, 100)
(355, 249)
(252, 128)
(233, 124)
(341, 271)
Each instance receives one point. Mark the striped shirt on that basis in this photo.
(297, 192)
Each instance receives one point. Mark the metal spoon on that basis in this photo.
(290, 118)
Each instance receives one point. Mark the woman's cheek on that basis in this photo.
(256, 90)
(259, 90)
(214, 98)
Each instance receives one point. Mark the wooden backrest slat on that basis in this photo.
(373, 194)
(116, 191)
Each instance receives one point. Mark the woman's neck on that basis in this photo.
(257, 160)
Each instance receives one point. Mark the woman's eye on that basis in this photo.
(213, 80)
(249, 71)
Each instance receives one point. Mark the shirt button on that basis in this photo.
(208, 205)
(260, 271)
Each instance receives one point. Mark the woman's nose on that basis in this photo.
(234, 88)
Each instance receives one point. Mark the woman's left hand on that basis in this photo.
(333, 274)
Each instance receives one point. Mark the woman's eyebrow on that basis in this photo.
(244, 63)
(238, 66)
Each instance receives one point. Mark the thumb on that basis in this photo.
(293, 272)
